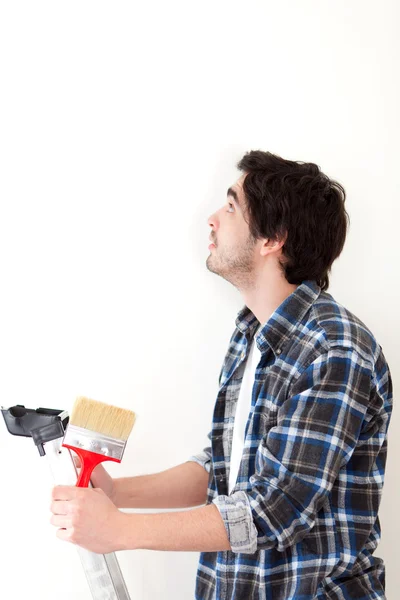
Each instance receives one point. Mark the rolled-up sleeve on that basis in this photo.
(298, 459)
(203, 458)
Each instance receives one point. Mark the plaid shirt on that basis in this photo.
(302, 519)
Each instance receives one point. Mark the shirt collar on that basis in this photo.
(279, 327)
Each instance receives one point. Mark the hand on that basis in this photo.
(99, 478)
(87, 517)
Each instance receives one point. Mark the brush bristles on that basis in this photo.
(103, 418)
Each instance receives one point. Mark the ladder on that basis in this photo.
(47, 426)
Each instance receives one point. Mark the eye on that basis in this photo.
(230, 204)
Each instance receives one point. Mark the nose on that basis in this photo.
(211, 222)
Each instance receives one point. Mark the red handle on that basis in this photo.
(89, 460)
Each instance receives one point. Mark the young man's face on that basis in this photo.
(233, 256)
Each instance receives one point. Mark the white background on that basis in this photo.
(121, 123)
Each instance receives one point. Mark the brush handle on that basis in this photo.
(89, 460)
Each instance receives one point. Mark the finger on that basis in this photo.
(59, 521)
(64, 492)
(63, 534)
(59, 507)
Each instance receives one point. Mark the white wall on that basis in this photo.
(121, 124)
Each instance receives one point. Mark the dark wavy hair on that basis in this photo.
(297, 199)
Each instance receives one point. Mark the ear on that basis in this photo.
(272, 245)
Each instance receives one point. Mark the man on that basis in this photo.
(292, 478)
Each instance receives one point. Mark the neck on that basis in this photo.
(264, 297)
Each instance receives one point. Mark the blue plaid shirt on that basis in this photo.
(302, 519)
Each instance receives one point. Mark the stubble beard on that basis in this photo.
(236, 268)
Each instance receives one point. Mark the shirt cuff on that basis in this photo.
(236, 514)
(202, 459)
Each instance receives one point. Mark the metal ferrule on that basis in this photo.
(80, 437)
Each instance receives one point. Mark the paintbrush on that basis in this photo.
(97, 432)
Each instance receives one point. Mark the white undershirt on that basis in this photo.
(243, 409)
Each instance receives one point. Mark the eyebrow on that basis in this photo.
(231, 192)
